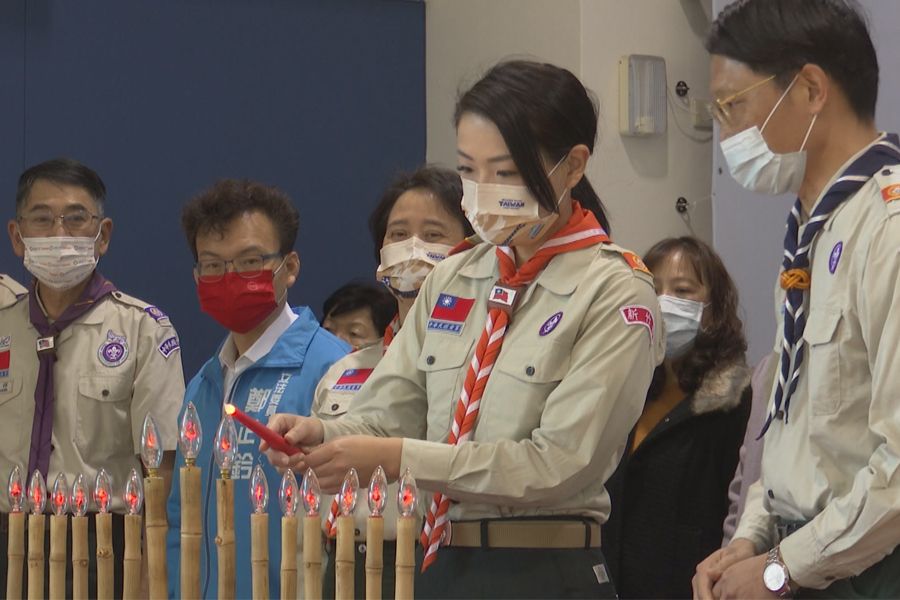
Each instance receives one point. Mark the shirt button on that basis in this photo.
(886, 172)
(771, 495)
(335, 406)
(529, 370)
(104, 393)
(429, 360)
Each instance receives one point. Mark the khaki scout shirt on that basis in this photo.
(330, 403)
(10, 290)
(101, 399)
(567, 387)
(836, 462)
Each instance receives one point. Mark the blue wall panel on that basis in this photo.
(324, 99)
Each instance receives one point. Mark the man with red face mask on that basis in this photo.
(242, 235)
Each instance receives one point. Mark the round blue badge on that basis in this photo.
(550, 324)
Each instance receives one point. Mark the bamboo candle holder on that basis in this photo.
(225, 537)
(288, 558)
(36, 525)
(58, 538)
(259, 554)
(374, 557)
(157, 527)
(191, 531)
(406, 557)
(80, 559)
(105, 556)
(312, 557)
(15, 554)
(131, 566)
(344, 559)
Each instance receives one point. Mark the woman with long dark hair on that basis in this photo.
(670, 492)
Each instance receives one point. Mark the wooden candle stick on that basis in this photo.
(312, 537)
(405, 564)
(15, 543)
(344, 555)
(59, 522)
(37, 494)
(80, 559)
(190, 438)
(134, 502)
(225, 450)
(155, 510)
(259, 534)
(288, 499)
(375, 534)
(103, 521)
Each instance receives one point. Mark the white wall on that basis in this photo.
(638, 179)
(748, 229)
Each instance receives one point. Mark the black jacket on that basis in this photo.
(670, 497)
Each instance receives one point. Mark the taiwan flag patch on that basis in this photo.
(449, 314)
(351, 380)
(5, 347)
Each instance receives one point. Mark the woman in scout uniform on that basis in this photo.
(414, 226)
(524, 363)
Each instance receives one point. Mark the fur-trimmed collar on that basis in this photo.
(721, 389)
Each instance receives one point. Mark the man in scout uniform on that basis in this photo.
(86, 362)
(796, 116)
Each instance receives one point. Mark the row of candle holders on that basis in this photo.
(149, 495)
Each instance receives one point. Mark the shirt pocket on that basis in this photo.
(823, 359)
(104, 428)
(444, 362)
(335, 404)
(524, 377)
(12, 409)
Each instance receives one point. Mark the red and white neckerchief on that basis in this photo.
(582, 231)
(330, 526)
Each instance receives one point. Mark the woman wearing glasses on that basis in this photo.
(524, 362)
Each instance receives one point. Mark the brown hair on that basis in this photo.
(720, 340)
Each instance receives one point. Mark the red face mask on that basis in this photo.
(237, 303)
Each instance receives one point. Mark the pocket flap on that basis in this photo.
(822, 323)
(104, 388)
(543, 363)
(336, 404)
(439, 353)
(10, 387)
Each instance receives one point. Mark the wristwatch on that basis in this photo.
(776, 576)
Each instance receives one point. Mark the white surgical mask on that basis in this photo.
(506, 215)
(682, 319)
(405, 265)
(62, 262)
(755, 167)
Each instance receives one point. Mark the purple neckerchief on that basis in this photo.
(42, 427)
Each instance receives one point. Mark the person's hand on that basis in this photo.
(301, 432)
(331, 461)
(710, 570)
(743, 580)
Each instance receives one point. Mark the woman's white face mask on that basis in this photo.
(682, 320)
(506, 215)
(405, 265)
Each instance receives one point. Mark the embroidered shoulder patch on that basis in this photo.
(635, 314)
(635, 262)
(351, 380)
(891, 192)
(449, 314)
(169, 346)
(158, 315)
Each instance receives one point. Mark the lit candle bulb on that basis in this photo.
(259, 490)
(311, 493)
(78, 502)
(59, 498)
(37, 493)
(102, 491)
(375, 534)
(226, 446)
(131, 564)
(14, 491)
(288, 493)
(377, 492)
(312, 535)
(344, 556)
(407, 496)
(259, 532)
(191, 435)
(151, 450)
(134, 493)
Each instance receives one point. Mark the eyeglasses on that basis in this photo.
(248, 267)
(720, 109)
(73, 221)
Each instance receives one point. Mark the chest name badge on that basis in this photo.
(114, 350)
(449, 314)
(351, 380)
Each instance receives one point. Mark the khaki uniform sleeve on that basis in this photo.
(756, 522)
(10, 290)
(859, 528)
(158, 382)
(584, 424)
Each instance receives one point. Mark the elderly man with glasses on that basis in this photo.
(81, 363)
(242, 235)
